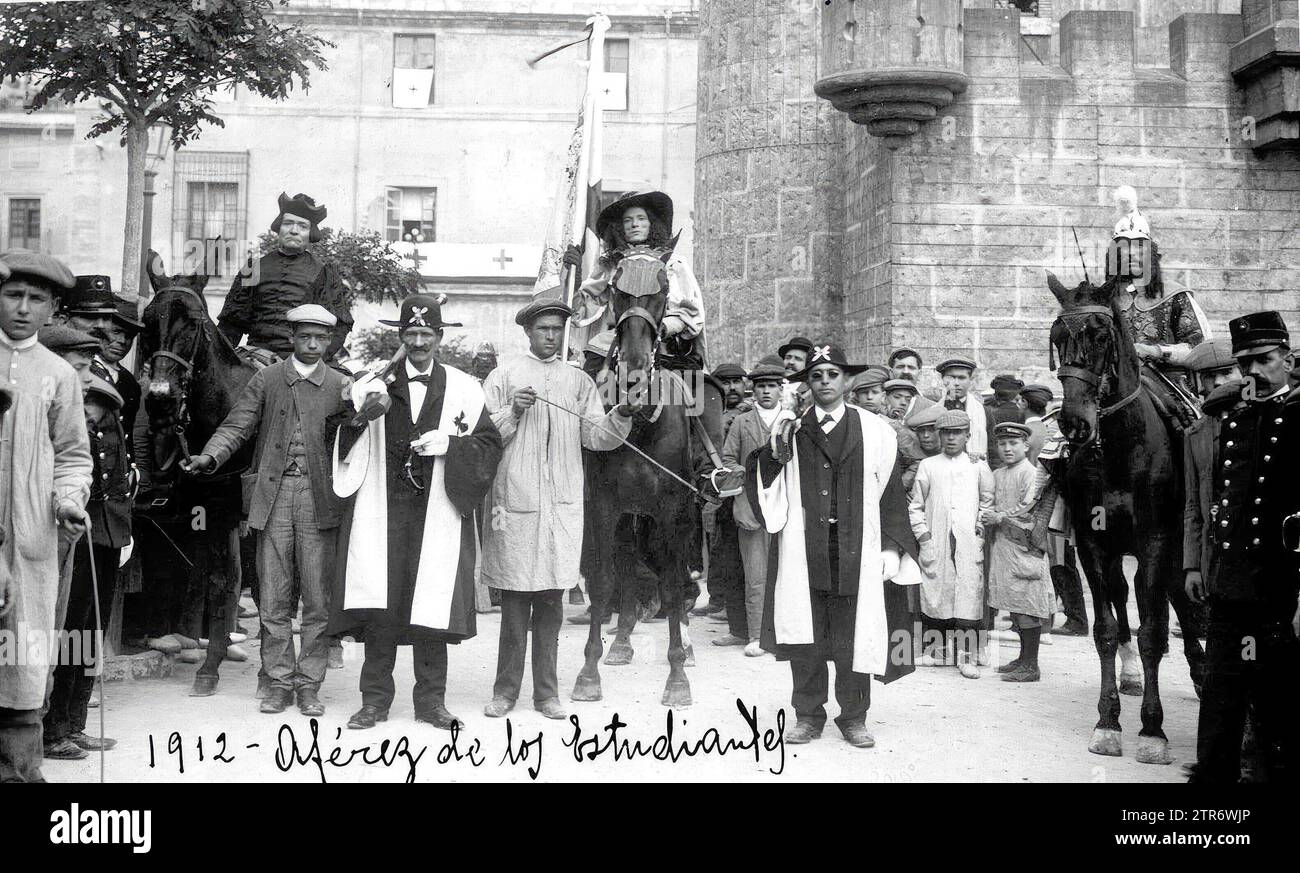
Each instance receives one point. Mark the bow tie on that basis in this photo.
(423, 379)
(824, 420)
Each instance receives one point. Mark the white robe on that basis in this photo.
(945, 503)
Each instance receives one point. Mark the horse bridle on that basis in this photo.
(182, 418)
(1108, 364)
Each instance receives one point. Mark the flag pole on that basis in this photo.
(589, 159)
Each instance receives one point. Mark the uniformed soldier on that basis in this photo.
(1252, 579)
(285, 278)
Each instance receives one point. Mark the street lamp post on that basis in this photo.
(158, 144)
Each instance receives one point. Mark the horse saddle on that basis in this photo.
(258, 357)
(641, 273)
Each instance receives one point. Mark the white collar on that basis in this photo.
(836, 412)
(767, 416)
(20, 345)
(412, 372)
(551, 359)
(304, 370)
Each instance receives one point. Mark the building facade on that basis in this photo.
(429, 126)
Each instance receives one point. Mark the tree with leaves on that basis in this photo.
(150, 62)
(368, 265)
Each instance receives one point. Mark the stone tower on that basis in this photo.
(768, 207)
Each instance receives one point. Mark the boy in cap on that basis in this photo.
(950, 491)
(533, 542)
(1018, 579)
(818, 487)
(867, 389)
(1004, 405)
(285, 408)
(749, 433)
(726, 576)
(924, 423)
(958, 376)
(44, 483)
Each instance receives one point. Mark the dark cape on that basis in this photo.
(839, 458)
(471, 463)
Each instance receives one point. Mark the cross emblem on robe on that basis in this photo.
(459, 421)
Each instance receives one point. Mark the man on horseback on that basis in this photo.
(637, 259)
(1163, 316)
(284, 278)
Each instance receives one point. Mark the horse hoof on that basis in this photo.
(1153, 750)
(1131, 687)
(586, 690)
(677, 694)
(690, 657)
(1106, 742)
(620, 654)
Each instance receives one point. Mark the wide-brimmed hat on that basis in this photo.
(769, 368)
(795, 342)
(302, 206)
(657, 203)
(421, 310)
(90, 295)
(1258, 332)
(820, 355)
(128, 312)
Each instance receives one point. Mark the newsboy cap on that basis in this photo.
(953, 419)
(311, 313)
(537, 308)
(1212, 355)
(953, 363)
(44, 268)
(1011, 429)
(60, 339)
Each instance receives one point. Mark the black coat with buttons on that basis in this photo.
(1255, 488)
(112, 489)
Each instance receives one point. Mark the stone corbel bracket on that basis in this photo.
(892, 103)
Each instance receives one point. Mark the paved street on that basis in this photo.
(931, 726)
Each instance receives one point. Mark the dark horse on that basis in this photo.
(1124, 487)
(195, 377)
(634, 508)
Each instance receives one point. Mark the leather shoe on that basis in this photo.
(498, 707)
(858, 736)
(309, 704)
(731, 640)
(802, 732)
(277, 700)
(204, 686)
(1010, 666)
(439, 717)
(92, 744)
(550, 707)
(366, 717)
(1023, 673)
(64, 750)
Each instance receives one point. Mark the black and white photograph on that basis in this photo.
(629, 392)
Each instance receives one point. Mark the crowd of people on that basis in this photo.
(852, 514)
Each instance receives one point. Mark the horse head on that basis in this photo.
(174, 338)
(638, 299)
(1088, 338)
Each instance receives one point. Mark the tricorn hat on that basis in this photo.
(304, 207)
(421, 310)
(657, 203)
(1257, 333)
(827, 354)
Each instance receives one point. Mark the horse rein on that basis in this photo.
(1083, 374)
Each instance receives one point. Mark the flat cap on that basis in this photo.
(43, 267)
(59, 338)
(893, 385)
(1212, 355)
(104, 391)
(1010, 429)
(729, 370)
(927, 417)
(769, 367)
(1007, 382)
(952, 363)
(1039, 390)
(874, 376)
(311, 313)
(953, 419)
(539, 307)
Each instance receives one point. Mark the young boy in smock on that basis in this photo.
(1018, 575)
(949, 493)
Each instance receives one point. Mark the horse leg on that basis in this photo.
(628, 570)
(1153, 636)
(600, 587)
(677, 692)
(1106, 736)
(1130, 673)
(620, 651)
(212, 563)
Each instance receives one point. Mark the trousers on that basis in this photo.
(544, 612)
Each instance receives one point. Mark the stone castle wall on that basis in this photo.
(948, 238)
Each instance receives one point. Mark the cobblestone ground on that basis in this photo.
(931, 726)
